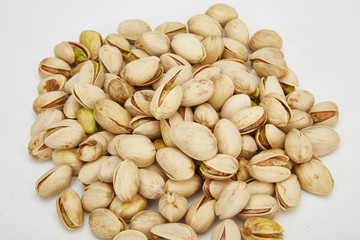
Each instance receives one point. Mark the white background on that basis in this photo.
(321, 44)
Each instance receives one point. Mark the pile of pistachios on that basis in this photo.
(160, 114)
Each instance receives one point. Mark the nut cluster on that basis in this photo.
(159, 114)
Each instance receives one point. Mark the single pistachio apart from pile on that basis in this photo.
(69, 209)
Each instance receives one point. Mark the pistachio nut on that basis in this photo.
(315, 177)
(69, 209)
(97, 195)
(130, 235)
(235, 49)
(111, 147)
(94, 146)
(249, 119)
(107, 169)
(147, 126)
(186, 114)
(175, 231)
(128, 147)
(171, 28)
(195, 140)
(213, 188)
(176, 164)
(258, 187)
(151, 184)
(269, 62)
(155, 167)
(51, 65)
(260, 205)
(301, 100)
(105, 224)
(325, 113)
(126, 181)
(126, 210)
(131, 29)
(237, 30)
(166, 100)
(232, 200)
(297, 146)
(242, 174)
(173, 206)
(89, 172)
(265, 38)
(45, 119)
(111, 58)
(288, 192)
(299, 120)
(116, 40)
(71, 107)
(268, 85)
(261, 228)
(289, 81)
(269, 136)
(196, 91)
(205, 71)
(243, 81)
(166, 125)
(201, 214)
(135, 54)
(222, 13)
(231, 63)
(223, 90)
(54, 181)
(65, 134)
(112, 117)
(139, 103)
(145, 220)
(72, 52)
(143, 71)
(277, 110)
(186, 188)
(49, 100)
(214, 47)
(51, 83)
(226, 230)
(188, 47)
(87, 95)
(206, 115)
(68, 157)
(86, 119)
(269, 166)
(220, 167)
(323, 139)
(119, 90)
(228, 138)
(92, 40)
(204, 25)
(154, 42)
(170, 60)
(177, 75)
(249, 146)
(234, 104)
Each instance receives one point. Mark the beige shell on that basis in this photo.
(147, 126)
(323, 139)
(232, 200)
(269, 166)
(54, 181)
(196, 91)
(325, 113)
(135, 54)
(69, 209)
(269, 85)
(173, 206)
(213, 188)
(68, 157)
(205, 71)
(297, 146)
(94, 146)
(71, 107)
(145, 220)
(128, 146)
(222, 13)
(243, 81)
(131, 29)
(299, 120)
(188, 47)
(226, 230)
(116, 40)
(258, 187)
(235, 49)
(315, 177)
(107, 168)
(49, 100)
(174, 231)
(204, 25)
(214, 47)
(170, 60)
(130, 235)
(269, 61)
(139, 103)
(220, 167)
(151, 184)
(265, 38)
(171, 28)
(72, 52)
(195, 140)
(288, 192)
(126, 210)
(242, 174)
(223, 90)
(258, 226)
(231, 63)
(177, 75)
(237, 30)
(260, 205)
(87, 95)
(269, 136)
(234, 104)
(170, 159)
(228, 138)
(201, 214)
(97, 195)
(51, 83)
(154, 42)
(186, 188)
(249, 146)
(104, 217)
(277, 110)
(300, 99)
(249, 119)
(206, 115)
(126, 181)
(289, 79)
(92, 41)
(111, 58)
(51, 65)
(89, 172)
(118, 89)
(45, 119)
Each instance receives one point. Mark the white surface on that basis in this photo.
(321, 44)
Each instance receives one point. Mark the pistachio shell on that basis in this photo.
(119, 90)
(126, 210)
(204, 25)
(234, 104)
(188, 47)
(299, 120)
(174, 231)
(325, 113)
(147, 126)
(72, 52)
(258, 187)
(196, 91)
(155, 43)
(235, 49)
(170, 60)
(300, 99)
(89, 172)
(228, 138)
(323, 139)
(139, 103)
(237, 30)
(186, 188)
(68, 157)
(206, 115)
(201, 214)
(269, 61)
(54, 181)
(231, 63)
(87, 95)
(151, 184)
(260, 205)
(105, 224)
(49, 100)
(226, 230)
(249, 119)
(131, 29)
(269, 85)
(171, 28)
(269, 136)
(220, 167)
(130, 235)
(126, 181)
(111, 58)
(223, 90)
(177, 75)
(243, 81)
(213, 188)
(265, 38)
(277, 110)
(297, 146)
(92, 41)
(261, 228)
(145, 220)
(51, 65)
(214, 47)
(69, 209)
(249, 146)
(118, 41)
(97, 195)
(71, 107)
(222, 13)
(51, 83)
(288, 192)
(173, 206)
(195, 140)
(45, 119)
(107, 168)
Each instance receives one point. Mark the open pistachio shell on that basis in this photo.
(261, 228)
(235, 49)
(269, 136)
(52, 83)
(87, 95)
(188, 47)
(213, 188)
(51, 65)
(226, 230)
(186, 188)
(201, 214)
(228, 138)
(145, 220)
(97, 195)
(196, 91)
(68, 157)
(299, 120)
(269, 85)
(131, 29)
(300, 99)
(130, 235)
(147, 126)
(49, 100)
(249, 146)
(222, 13)
(249, 119)
(92, 41)
(151, 184)
(45, 119)
(111, 58)
(234, 104)
(139, 103)
(277, 110)
(288, 192)
(325, 113)
(72, 52)
(71, 107)
(265, 38)
(118, 89)
(116, 40)
(174, 231)
(171, 28)
(204, 25)
(69, 209)
(214, 47)
(105, 224)
(260, 205)
(220, 167)
(243, 81)
(206, 115)
(177, 75)
(237, 30)
(170, 60)
(126, 210)
(297, 146)
(54, 181)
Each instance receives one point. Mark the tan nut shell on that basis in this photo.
(297, 146)
(194, 139)
(299, 120)
(151, 184)
(225, 164)
(260, 205)
(188, 47)
(235, 49)
(71, 107)
(139, 103)
(214, 47)
(126, 210)
(171, 28)
(111, 58)
(249, 119)
(105, 224)
(131, 29)
(258, 187)
(234, 104)
(204, 25)
(249, 146)
(97, 195)
(130, 235)
(274, 136)
(257, 226)
(145, 220)
(196, 91)
(149, 127)
(201, 214)
(69, 209)
(268, 85)
(68, 157)
(301, 100)
(126, 181)
(54, 181)
(288, 192)
(154, 42)
(206, 115)
(243, 81)
(87, 95)
(277, 110)
(323, 139)
(223, 90)
(226, 230)
(49, 100)
(52, 83)
(325, 113)
(186, 188)
(237, 30)
(174, 231)
(89, 172)
(265, 38)
(173, 206)
(228, 138)
(170, 60)
(222, 13)
(107, 168)
(213, 188)
(45, 119)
